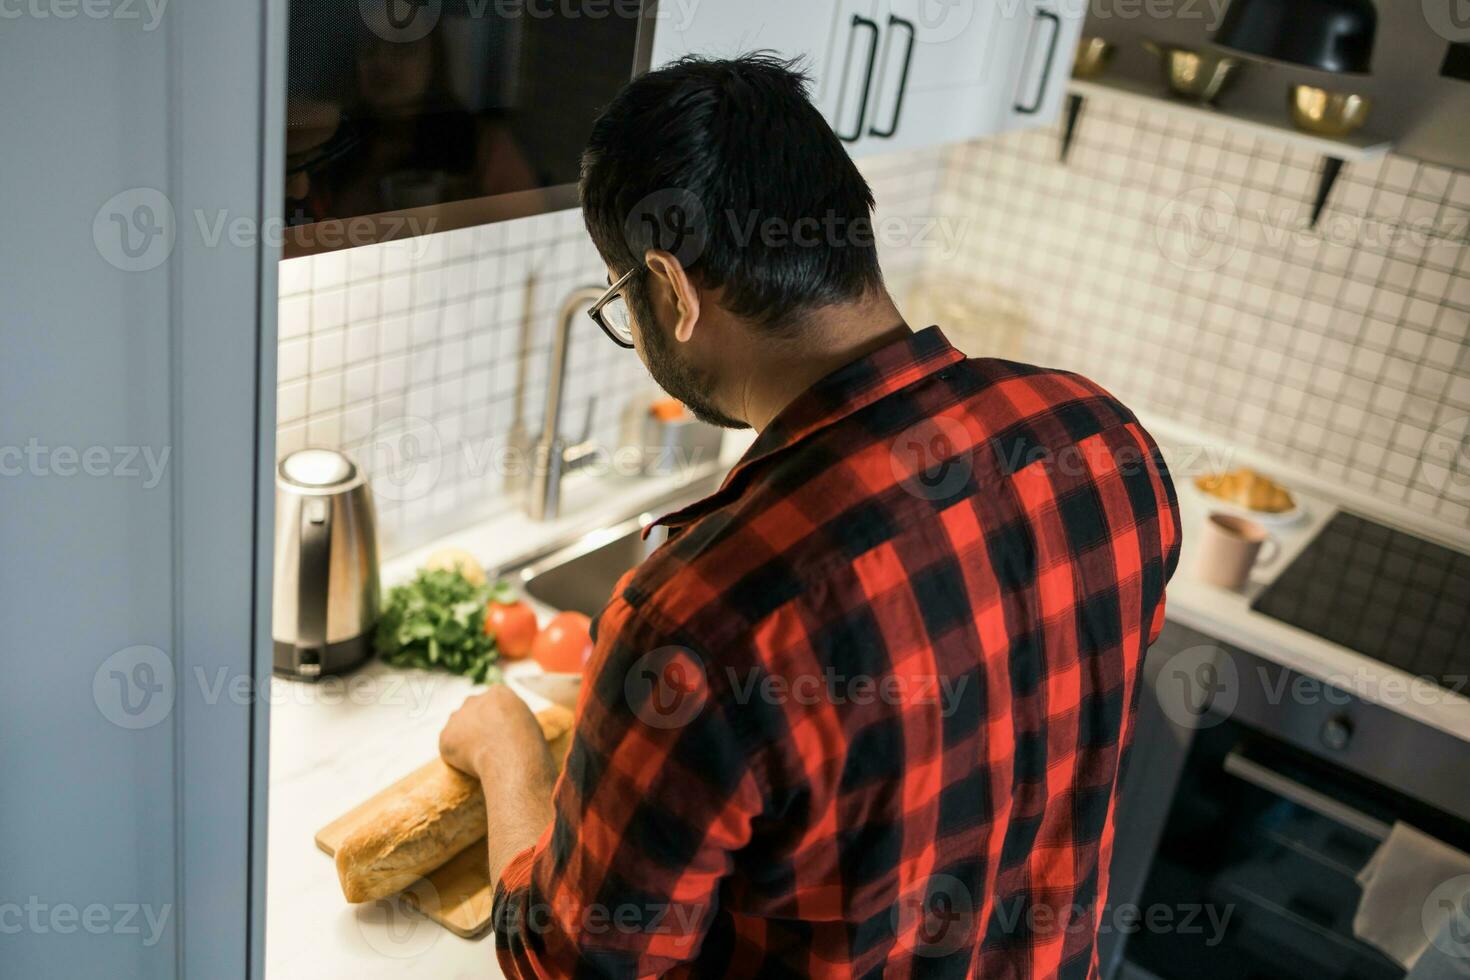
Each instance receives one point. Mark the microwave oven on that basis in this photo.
(406, 117)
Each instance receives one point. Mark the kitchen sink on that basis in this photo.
(580, 574)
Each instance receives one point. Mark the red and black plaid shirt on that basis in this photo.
(866, 711)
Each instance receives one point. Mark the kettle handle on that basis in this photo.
(311, 585)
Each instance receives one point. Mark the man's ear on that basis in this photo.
(669, 272)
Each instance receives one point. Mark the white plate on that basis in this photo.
(559, 689)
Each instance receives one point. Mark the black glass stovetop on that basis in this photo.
(1397, 598)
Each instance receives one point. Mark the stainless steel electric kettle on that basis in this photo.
(326, 565)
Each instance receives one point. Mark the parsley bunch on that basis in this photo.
(438, 620)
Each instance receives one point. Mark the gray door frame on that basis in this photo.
(230, 124)
(143, 168)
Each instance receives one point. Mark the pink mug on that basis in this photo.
(1229, 548)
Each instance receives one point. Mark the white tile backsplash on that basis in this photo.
(1173, 263)
(409, 354)
(1345, 350)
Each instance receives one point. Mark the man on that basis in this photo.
(866, 711)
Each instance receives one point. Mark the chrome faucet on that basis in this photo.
(553, 456)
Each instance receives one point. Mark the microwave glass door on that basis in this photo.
(411, 116)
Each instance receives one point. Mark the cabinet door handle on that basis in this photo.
(858, 21)
(1051, 53)
(903, 78)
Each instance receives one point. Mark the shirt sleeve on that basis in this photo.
(659, 791)
(1170, 529)
(1157, 626)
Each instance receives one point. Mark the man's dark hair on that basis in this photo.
(729, 166)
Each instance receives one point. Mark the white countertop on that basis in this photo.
(329, 752)
(1227, 616)
(335, 743)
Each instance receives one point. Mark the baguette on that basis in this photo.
(439, 814)
(436, 815)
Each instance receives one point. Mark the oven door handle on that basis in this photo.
(1304, 796)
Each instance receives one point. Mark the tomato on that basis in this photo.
(513, 625)
(565, 645)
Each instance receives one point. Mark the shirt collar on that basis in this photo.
(852, 387)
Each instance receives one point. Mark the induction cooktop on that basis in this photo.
(1397, 598)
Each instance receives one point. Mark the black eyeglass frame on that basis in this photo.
(595, 310)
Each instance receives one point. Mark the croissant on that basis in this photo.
(1247, 488)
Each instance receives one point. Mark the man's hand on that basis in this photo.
(495, 734)
(494, 737)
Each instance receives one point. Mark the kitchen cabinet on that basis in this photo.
(1045, 41)
(899, 74)
(725, 29)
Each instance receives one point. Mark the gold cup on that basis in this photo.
(1093, 55)
(1199, 76)
(1326, 113)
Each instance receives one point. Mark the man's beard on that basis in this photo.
(677, 379)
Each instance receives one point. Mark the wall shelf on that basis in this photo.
(1362, 145)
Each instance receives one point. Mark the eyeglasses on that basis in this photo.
(612, 314)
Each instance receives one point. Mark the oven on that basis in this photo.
(1253, 799)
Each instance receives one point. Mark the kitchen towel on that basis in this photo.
(1413, 888)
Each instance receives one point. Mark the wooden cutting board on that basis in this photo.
(462, 887)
